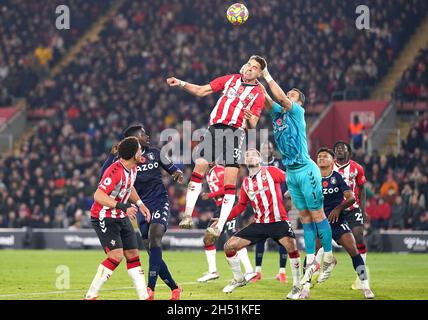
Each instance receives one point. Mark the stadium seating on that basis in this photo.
(120, 79)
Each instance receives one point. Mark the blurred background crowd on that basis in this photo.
(119, 79)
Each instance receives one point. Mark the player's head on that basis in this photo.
(254, 67)
(325, 157)
(297, 96)
(138, 131)
(130, 149)
(343, 150)
(253, 158)
(267, 149)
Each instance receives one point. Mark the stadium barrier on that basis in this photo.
(26, 238)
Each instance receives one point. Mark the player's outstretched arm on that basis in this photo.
(268, 100)
(196, 90)
(278, 94)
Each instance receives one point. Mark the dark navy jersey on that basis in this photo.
(278, 164)
(333, 188)
(149, 183)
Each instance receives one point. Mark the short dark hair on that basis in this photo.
(260, 60)
(132, 130)
(344, 143)
(328, 150)
(128, 147)
(302, 97)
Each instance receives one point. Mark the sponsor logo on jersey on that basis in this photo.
(252, 194)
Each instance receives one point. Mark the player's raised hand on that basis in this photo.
(266, 74)
(173, 82)
(178, 176)
(132, 211)
(145, 212)
(114, 149)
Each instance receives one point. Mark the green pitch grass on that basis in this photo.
(35, 275)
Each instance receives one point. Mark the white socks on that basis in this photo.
(211, 259)
(295, 271)
(310, 258)
(319, 255)
(102, 275)
(243, 256)
(193, 190)
(235, 265)
(137, 276)
(226, 208)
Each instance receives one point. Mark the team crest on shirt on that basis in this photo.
(264, 178)
(250, 96)
(151, 156)
(231, 93)
(113, 242)
(333, 180)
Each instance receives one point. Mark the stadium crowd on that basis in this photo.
(30, 43)
(120, 79)
(413, 86)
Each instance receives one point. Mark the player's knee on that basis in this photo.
(201, 165)
(116, 255)
(230, 246)
(129, 254)
(305, 216)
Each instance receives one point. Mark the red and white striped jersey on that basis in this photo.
(353, 174)
(236, 96)
(117, 182)
(215, 180)
(263, 191)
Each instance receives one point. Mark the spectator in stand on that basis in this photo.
(414, 211)
(398, 214)
(413, 140)
(356, 133)
(422, 223)
(380, 214)
(389, 189)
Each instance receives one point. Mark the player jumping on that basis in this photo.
(215, 182)
(303, 174)
(152, 191)
(269, 159)
(354, 176)
(239, 106)
(335, 190)
(110, 215)
(262, 189)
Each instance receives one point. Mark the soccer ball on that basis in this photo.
(237, 14)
